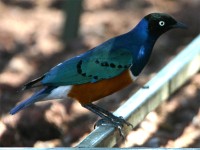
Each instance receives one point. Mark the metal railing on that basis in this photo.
(134, 110)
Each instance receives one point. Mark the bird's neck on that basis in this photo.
(145, 43)
(142, 40)
(142, 32)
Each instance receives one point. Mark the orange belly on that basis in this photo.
(89, 92)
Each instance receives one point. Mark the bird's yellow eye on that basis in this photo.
(161, 23)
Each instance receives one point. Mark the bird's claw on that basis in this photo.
(125, 122)
(104, 122)
(117, 122)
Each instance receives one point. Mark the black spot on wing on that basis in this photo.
(103, 64)
(112, 65)
(78, 66)
(80, 71)
(95, 77)
(119, 66)
(126, 66)
(83, 74)
(97, 61)
(106, 64)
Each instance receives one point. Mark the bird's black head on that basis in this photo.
(159, 23)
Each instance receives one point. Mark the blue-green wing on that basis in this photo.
(92, 66)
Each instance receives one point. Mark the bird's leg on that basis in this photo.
(119, 119)
(100, 114)
(107, 117)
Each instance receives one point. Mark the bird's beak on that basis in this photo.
(180, 25)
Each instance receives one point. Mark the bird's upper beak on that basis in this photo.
(180, 25)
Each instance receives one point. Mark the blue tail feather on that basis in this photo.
(36, 97)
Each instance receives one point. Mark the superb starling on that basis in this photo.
(104, 69)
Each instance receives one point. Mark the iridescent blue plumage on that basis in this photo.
(102, 65)
(107, 60)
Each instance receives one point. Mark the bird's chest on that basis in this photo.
(141, 54)
(141, 59)
(144, 53)
(89, 92)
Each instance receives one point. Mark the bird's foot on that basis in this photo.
(117, 122)
(107, 118)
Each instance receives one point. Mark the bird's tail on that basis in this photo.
(38, 96)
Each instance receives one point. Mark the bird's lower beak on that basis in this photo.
(180, 25)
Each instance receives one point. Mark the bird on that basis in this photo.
(102, 70)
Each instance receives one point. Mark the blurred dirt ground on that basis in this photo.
(30, 45)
